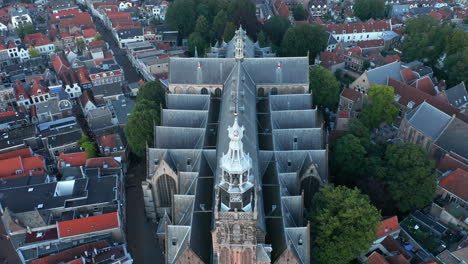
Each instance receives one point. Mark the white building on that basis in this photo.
(358, 31)
(73, 91)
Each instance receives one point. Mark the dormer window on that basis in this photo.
(344, 31)
(410, 104)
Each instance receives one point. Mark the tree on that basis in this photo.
(365, 65)
(152, 91)
(262, 39)
(88, 146)
(57, 49)
(348, 157)
(196, 40)
(33, 52)
(381, 106)
(298, 11)
(365, 9)
(40, 20)
(80, 44)
(325, 87)
(139, 130)
(25, 29)
(181, 16)
(202, 27)
(98, 36)
(275, 28)
(344, 224)
(457, 42)
(302, 39)
(243, 12)
(145, 104)
(229, 31)
(455, 66)
(219, 23)
(409, 176)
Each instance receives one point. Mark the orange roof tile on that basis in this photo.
(425, 84)
(397, 259)
(376, 258)
(24, 153)
(89, 33)
(88, 224)
(100, 162)
(37, 89)
(408, 75)
(70, 254)
(387, 226)
(456, 183)
(19, 167)
(350, 94)
(72, 159)
(451, 161)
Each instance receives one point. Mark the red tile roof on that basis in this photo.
(329, 59)
(107, 141)
(19, 167)
(393, 246)
(23, 153)
(392, 58)
(77, 261)
(354, 51)
(376, 258)
(59, 63)
(88, 225)
(437, 16)
(83, 75)
(66, 13)
(37, 89)
(425, 84)
(370, 43)
(70, 254)
(350, 94)
(456, 183)
(7, 113)
(387, 226)
(36, 39)
(397, 259)
(343, 114)
(72, 159)
(89, 33)
(451, 161)
(408, 75)
(41, 236)
(377, 26)
(100, 162)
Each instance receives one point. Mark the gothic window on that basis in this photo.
(224, 257)
(247, 256)
(166, 187)
(218, 92)
(204, 91)
(274, 91)
(261, 92)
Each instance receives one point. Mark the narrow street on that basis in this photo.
(7, 252)
(131, 75)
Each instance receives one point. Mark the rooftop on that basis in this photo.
(88, 225)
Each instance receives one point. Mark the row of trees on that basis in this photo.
(388, 173)
(365, 9)
(440, 45)
(139, 130)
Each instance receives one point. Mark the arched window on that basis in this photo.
(204, 91)
(261, 92)
(191, 90)
(224, 257)
(247, 256)
(274, 91)
(166, 188)
(218, 92)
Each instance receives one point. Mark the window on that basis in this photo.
(166, 189)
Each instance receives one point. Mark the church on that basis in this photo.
(237, 158)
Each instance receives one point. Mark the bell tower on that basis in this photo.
(235, 216)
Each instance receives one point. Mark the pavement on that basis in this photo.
(131, 75)
(142, 242)
(7, 252)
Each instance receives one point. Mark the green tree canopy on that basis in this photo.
(381, 106)
(202, 27)
(325, 87)
(40, 19)
(219, 23)
(229, 31)
(262, 39)
(349, 159)
(152, 91)
(181, 16)
(98, 36)
(88, 146)
(243, 12)
(344, 224)
(456, 67)
(298, 11)
(275, 28)
(139, 130)
(196, 40)
(33, 52)
(409, 176)
(80, 44)
(25, 29)
(302, 39)
(365, 9)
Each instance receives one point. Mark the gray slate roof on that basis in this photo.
(428, 119)
(457, 95)
(455, 138)
(381, 74)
